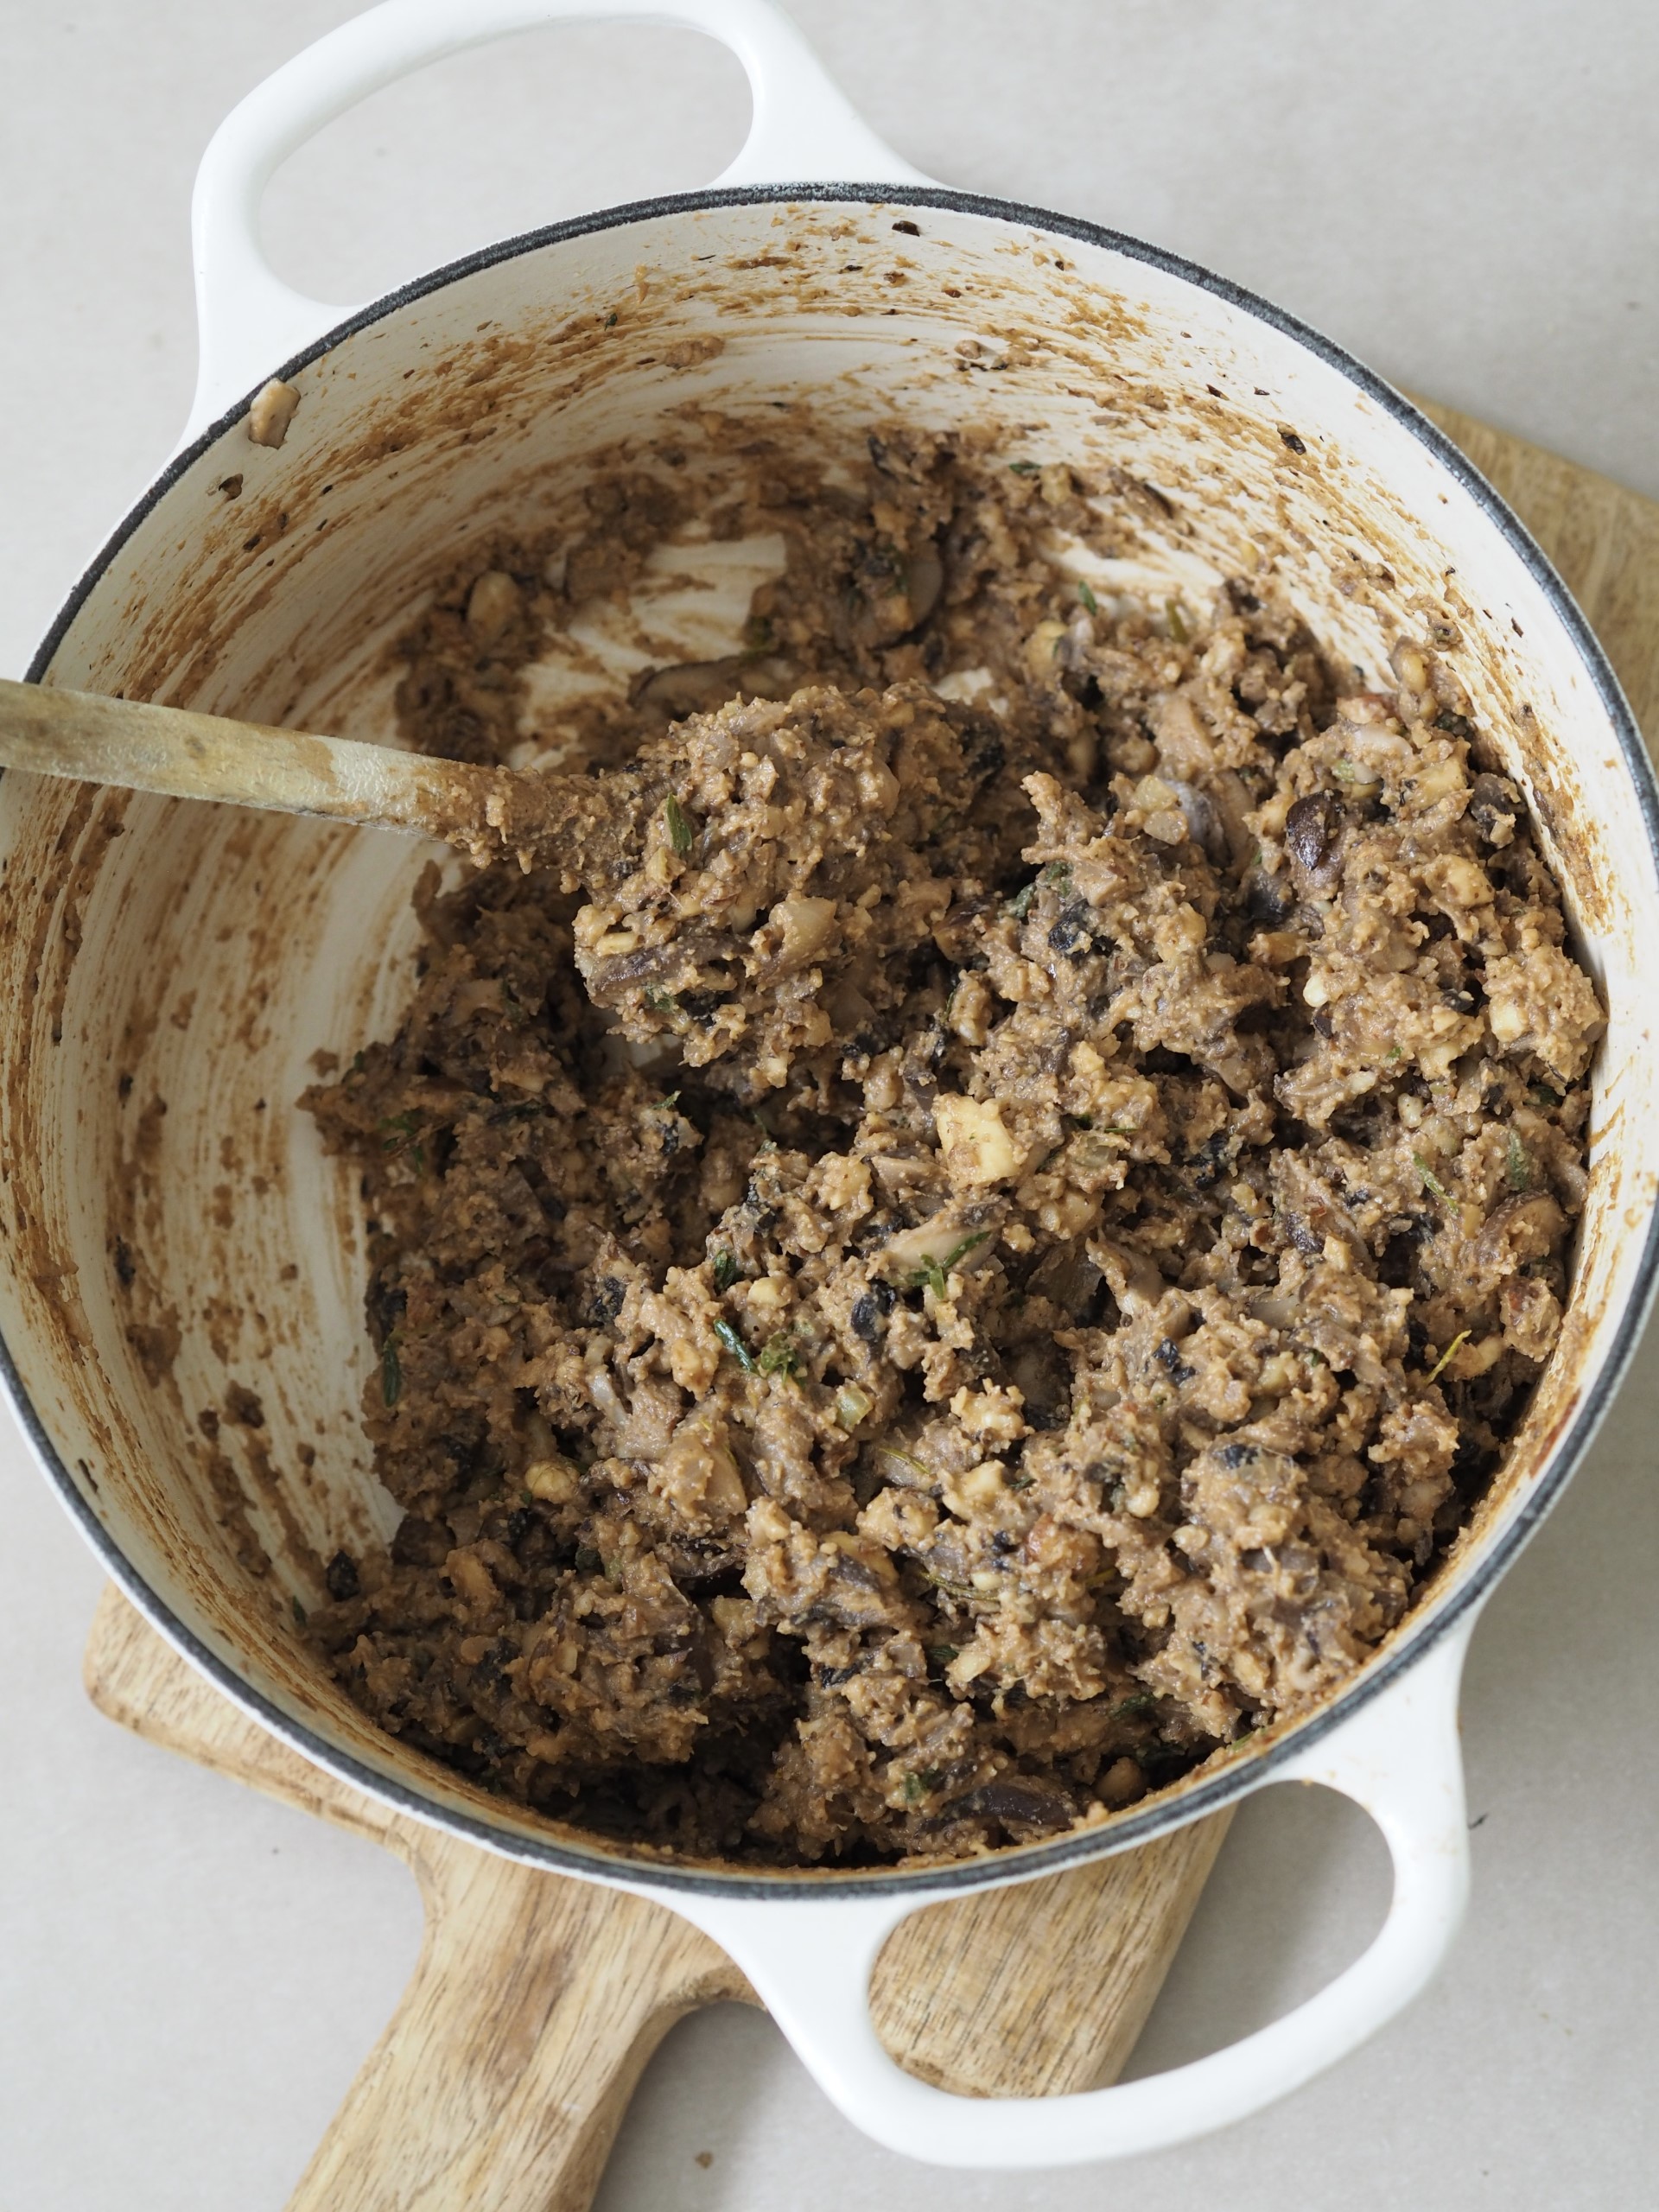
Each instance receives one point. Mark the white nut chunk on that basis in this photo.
(698, 1476)
(1043, 650)
(977, 1149)
(932, 1243)
(555, 1480)
(803, 927)
(271, 412)
(491, 606)
(979, 1490)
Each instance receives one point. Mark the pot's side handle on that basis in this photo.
(804, 128)
(811, 1964)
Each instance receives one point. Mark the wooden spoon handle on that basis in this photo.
(500, 2080)
(138, 747)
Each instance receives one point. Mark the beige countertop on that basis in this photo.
(1463, 194)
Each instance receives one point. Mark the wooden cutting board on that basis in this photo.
(499, 2083)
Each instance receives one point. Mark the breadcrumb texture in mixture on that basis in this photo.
(994, 1253)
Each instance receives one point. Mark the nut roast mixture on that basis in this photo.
(994, 1258)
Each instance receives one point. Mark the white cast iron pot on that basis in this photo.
(165, 971)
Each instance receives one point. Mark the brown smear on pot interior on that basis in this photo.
(993, 1260)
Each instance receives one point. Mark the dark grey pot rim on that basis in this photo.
(1248, 1770)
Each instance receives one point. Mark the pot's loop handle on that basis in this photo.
(803, 128)
(1398, 1757)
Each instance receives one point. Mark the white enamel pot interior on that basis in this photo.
(171, 1227)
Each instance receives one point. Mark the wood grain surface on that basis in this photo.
(500, 2082)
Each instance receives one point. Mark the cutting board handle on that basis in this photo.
(1398, 1757)
(537, 2000)
(500, 2080)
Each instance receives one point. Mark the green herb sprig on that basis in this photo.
(1057, 877)
(397, 1134)
(1430, 1180)
(932, 1272)
(735, 1345)
(1447, 1355)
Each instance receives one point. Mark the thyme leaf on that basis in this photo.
(931, 1273)
(1462, 1337)
(1430, 1180)
(682, 830)
(779, 1356)
(397, 1131)
(735, 1345)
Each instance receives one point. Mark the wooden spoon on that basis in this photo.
(566, 822)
